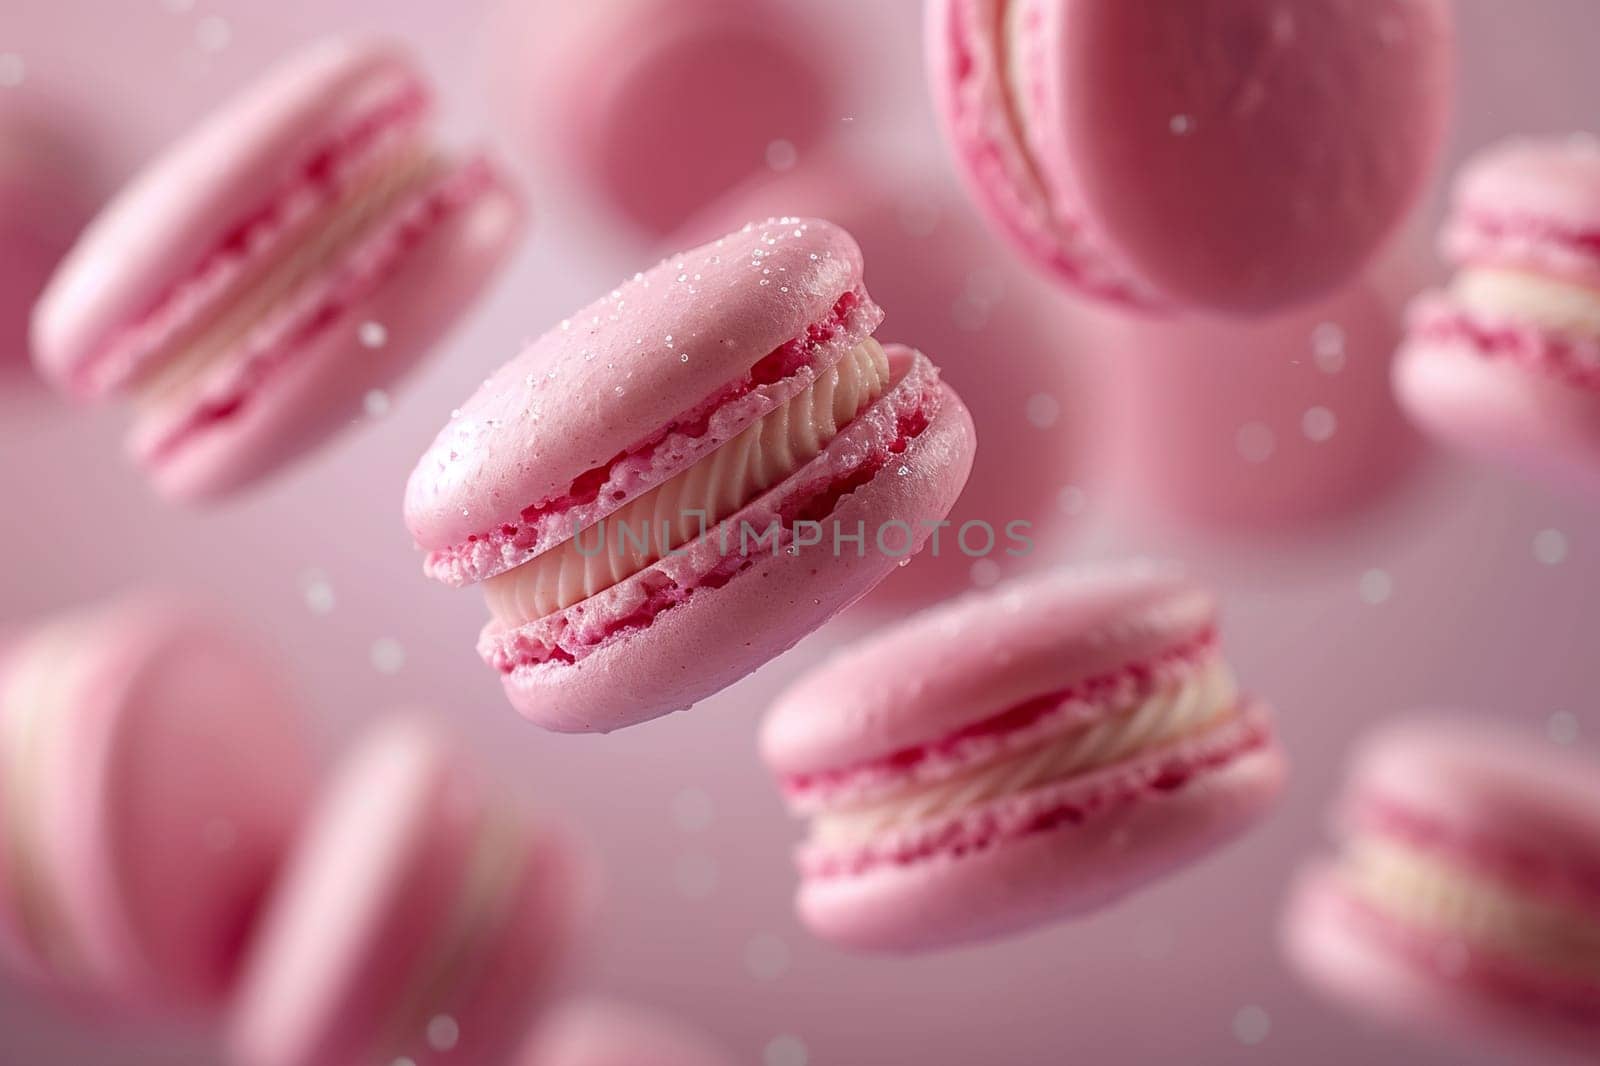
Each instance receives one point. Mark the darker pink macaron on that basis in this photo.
(1500, 940)
(658, 106)
(1506, 362)
(152, 773)
(1226, 155)
(594, 1033)
(422, 917)
(997, 334)
(645, 390)
(1017, 757)
(306, 244)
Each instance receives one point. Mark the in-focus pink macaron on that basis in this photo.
(306, 244)
(1465, 898)
(1263, 426)
(689, 475)
(46, 196)
(1225, 155)
(1017, 757)
(151, 776)
(951, 290)
(596, 1033)
(423, 917)
(1506, 362)
(655, 107)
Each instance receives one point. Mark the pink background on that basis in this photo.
(683, 817)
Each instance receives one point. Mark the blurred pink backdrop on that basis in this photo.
(1467, 589)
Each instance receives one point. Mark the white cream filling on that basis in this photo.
(41, 687)
(1573, 310)
(1431, 894)
(1183, 707)
(364, 204)
(681, 508)
(454, 958)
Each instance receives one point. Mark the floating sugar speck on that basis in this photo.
(692, 810)
(444, 1033)
(13, 71)
(317, 591)
(373, 334)
(387, 655)
(375, 403)
(985, 573)
(1562, 728)
(1376, 586)
(1319, 425)
(1255, 442)
(213, 33)
(1550, 547)
(766, 957)
(1181, 125)
(781, 155)
(1043, 410)
(786, 1051)
(1327, 347)
(1251, 1025)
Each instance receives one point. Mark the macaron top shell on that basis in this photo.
(1533, 204)
(1492, 786)
(646, 363)
(960, 664)
(198, 197)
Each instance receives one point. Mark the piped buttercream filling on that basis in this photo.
(682, 508)
(1434, 895)
(364, 200)
(1547, 303)
(1183, 706)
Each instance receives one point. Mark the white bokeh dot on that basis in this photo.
(692, 810)
(786, 1051)
(1043, 410)
(781, 155)
(1562, 728)
(919, 216)
(1181, 125)
(318, 593)
(1072, 500)
(13, 71)
(969, 315)
(985, 573)
(375, 403)
(1319, 424)
(213, 33)
(443, 1032)
(178, 7)
(766, 957)
(696, 876)
(1376, 586)
(404, 1061)
(1550, 547)
(1251, 1025)
(1255, 442)
(373, 334)
(1327, 347)
(387, 655)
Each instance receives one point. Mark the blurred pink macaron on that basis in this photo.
(1465, 898)
(423, 917)
(598, 1033)
(1226, 155)
(1017, 757)
(998, 337)
(658, 106)
(1506, 362)
(686, 477)
(151, 776)
(306, 244)
(46, 195)
(1260, 427)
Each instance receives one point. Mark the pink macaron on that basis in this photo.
(597, 1033)
(151, 776)
(1506, 362)
(306, 244)
(422, 918)
(1465, 898)
(997, 333)
(1227, 155)
(683, 479)
(46, 196)
(655, 107)
(1267, 426)
(1017, 757)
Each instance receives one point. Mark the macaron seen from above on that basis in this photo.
(688, 476)
(307, 243)
(1017, 757)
